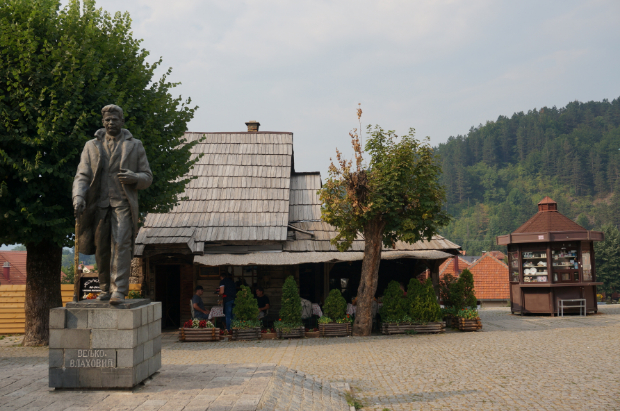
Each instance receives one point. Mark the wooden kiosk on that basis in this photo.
(551, 262)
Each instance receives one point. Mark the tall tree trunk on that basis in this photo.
(43, 265)
(373, 234)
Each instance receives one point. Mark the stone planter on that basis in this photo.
(268, 336)
(199, 334)
(402, 328)
(313, 334)
(469, 325)
(335, 330)
(246, 334)
(298, 332)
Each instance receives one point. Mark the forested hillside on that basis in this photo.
(496, 174)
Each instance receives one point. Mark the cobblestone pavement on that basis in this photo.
(514, 363)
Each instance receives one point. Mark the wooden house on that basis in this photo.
(250, 213)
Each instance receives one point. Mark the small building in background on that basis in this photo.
(13, 267)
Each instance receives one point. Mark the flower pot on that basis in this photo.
(268, 336)
(469, 325)
(297, 332)
(335, 329)
(246, 334)
(199, 334)
(313, 334)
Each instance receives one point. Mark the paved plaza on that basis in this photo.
(515, 363)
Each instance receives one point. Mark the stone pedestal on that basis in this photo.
(97, 345)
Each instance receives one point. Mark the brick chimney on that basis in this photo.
(6, 270)
(253, 126)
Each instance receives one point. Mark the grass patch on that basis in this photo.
(352, 401)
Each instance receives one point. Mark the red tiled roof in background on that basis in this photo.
(447, 267)
(490, 277)
(17, 259)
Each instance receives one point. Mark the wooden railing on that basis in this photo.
(12, 298)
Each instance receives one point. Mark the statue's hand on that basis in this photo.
(78, 206)
(127, 177)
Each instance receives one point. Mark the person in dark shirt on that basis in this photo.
(263, 302)
(228, 290)
(199, 306)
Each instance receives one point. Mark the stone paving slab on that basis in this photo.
(514, 363)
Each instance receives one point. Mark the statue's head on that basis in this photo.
(113, 119)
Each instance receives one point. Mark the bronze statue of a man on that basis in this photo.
(113, 167)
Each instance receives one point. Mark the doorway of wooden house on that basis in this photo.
(168, 291)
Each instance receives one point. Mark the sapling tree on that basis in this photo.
(465, 287)
(335, 306)
(396, 196)
(59, 67)
(414, 291)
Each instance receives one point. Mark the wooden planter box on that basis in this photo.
(298, 332)
(335, 330)
(199, 334)
(469, 325)
(402, 328)
(313, 334)
(268, 336)
(246, 334)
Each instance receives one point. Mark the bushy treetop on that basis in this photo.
(335, 306)
(290, 312)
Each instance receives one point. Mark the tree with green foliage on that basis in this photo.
(59, 67)
(395, 197)
(414, 291)
(426, 308)
(497, 173)
(69, 277)
(335, 306)
(464, 292)
(20, 247)
(394, 305)
(246, 306)
(607, 257)
(290, 311)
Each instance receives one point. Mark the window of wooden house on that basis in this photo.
(565, 262)
(513, 265)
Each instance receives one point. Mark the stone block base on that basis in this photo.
(104, 347)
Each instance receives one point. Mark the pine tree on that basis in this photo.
(290, 313)
(246, 306)
(335, 306)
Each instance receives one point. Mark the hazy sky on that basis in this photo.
(438, 66)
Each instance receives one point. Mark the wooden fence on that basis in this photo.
(12, 298)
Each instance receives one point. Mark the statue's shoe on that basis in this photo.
(117, 298)
(104, 296)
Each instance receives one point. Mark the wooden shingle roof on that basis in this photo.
(241, 192)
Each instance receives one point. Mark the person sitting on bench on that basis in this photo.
(263, 302)
(199, 306)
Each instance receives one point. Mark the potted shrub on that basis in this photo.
(468, 320)
(424, 308)
(394, 318)
(198, 330)
(246, 325)
(335, 307)
(289, 325)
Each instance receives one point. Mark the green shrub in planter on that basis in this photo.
(467, 314)
(426, 308)
(466, 288)
(335, 305)
(325, 320)
(414, 291)
(246, 307)
(290, 312)
(394, 304)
